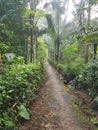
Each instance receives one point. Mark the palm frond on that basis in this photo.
(57, 6)
(51, 28)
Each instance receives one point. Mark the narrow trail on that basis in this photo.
(52, 109)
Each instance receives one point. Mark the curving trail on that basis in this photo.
(52, 109)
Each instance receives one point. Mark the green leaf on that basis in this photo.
(9, 123)
(94, 120)
(31, 12)
(92, 37)
(23, 112)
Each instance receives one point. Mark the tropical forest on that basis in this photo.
(48, 64)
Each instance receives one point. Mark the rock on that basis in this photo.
(71, 87)
(61, 77)
(72, 83)
(65, 81)
(94, 104)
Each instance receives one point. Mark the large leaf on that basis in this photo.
(23, 112)
(9, 123)
(51, 27)
(92, 37)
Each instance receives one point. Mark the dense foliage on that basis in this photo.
(72, 49)
(18, 87)
(19, 80)
(71, 64)
(74, 52)
(88, 80)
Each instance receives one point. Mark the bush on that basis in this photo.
(18, 60)
(77, 66)
(15, 60)
(70, 71)
(73, 64)
(18, 86)
(60, 68)
(53, 63)
(88, 80)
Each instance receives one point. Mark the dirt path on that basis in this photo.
(52, 109)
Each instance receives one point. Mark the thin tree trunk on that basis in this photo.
(95, 50)
(55, 52)
(1, 68)
(32, 7)
(86, 54)
(58, 48)
(31, 46)
(36, 47)
(89, 13)
(26, 51)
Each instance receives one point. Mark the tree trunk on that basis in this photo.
(86, 55)
(32, 7)
(26, 52)
(36, 49)
(95, 50)
(58, 48)
(31, 47)
(1, 68)
(55, 52)
(89, 13)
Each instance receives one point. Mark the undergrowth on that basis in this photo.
(18, 87)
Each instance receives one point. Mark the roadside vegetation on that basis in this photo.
(28, 35)
(22, 61)
(73, 50)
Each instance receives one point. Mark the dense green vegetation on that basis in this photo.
(30, 34)
(73, 50)
(88, 80)
(19, 83)
(22, 59)
(18, 87)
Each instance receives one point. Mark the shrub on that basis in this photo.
(89, 79)
(18, 60)
(70, 71)
(60, 68)
(53, 63)
(73, 64)
(77, 66)
(18, 86)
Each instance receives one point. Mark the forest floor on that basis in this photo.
(55, 109)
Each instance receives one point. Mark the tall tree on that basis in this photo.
(55, 23)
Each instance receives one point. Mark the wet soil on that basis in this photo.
(54, 108)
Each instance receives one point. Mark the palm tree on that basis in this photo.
(56, 24)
